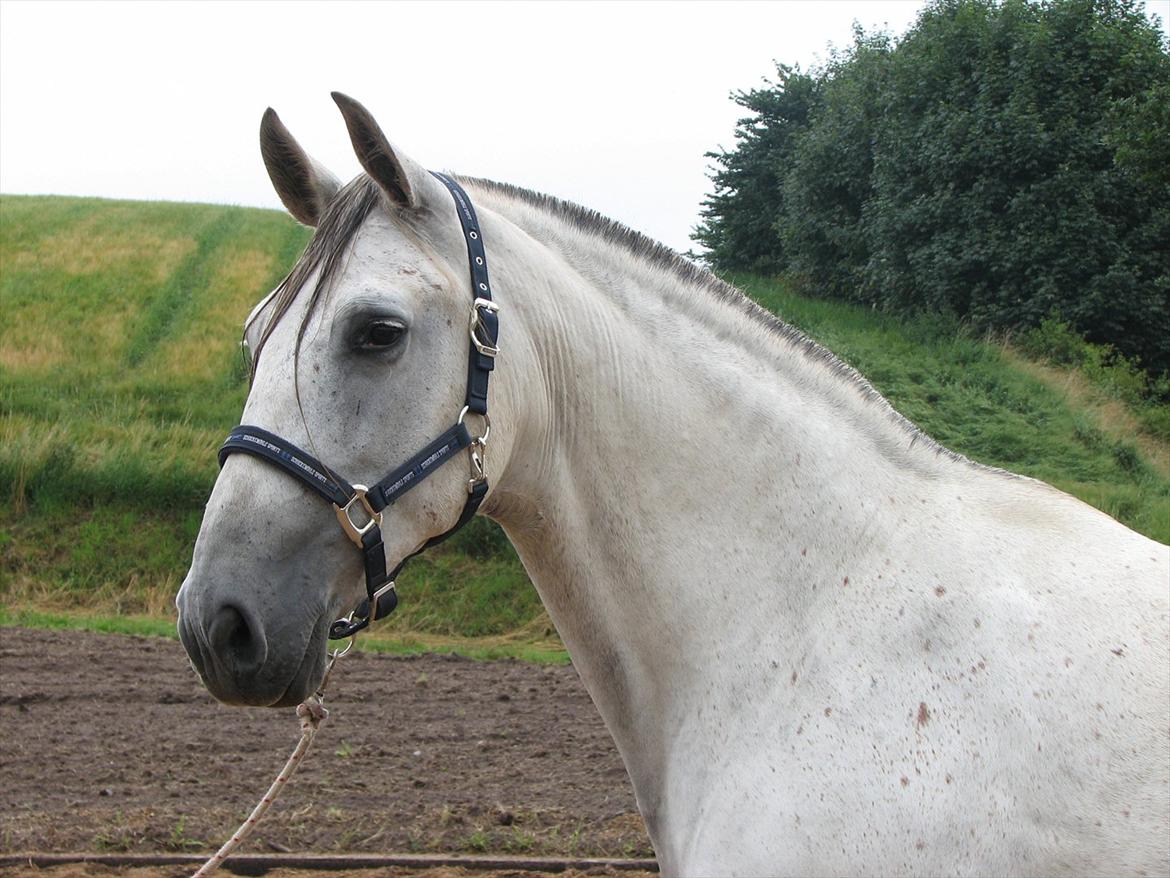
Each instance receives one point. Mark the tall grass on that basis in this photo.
(120, 373)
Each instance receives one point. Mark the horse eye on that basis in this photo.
(381, 334)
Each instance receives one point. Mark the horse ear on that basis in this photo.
(403, 179)
(304, 185)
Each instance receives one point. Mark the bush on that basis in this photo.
(1003, 161)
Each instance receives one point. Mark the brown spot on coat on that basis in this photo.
(1118, 651)
(939, 590)
(923, 714)
(845, 581)
(905, 781)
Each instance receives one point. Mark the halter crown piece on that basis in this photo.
(359, 508)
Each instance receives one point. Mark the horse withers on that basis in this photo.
(823, 643)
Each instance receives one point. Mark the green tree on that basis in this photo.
(738, 218)
(828, 177)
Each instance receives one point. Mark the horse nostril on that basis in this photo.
(234, 640)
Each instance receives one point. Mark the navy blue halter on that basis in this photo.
(359, 508)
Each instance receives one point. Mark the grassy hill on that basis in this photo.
(120, 374)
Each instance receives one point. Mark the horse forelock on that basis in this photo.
(322, 256)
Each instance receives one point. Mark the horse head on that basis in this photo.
(360, 357)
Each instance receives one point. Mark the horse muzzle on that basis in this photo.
(240, 662)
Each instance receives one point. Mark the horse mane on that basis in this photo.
(643, 247)
(657, 254)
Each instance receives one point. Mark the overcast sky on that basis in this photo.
(608, 104)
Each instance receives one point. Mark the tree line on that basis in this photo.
(1005, 162)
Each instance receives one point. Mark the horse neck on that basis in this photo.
(682, 477)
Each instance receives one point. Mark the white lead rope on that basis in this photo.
(312, 713)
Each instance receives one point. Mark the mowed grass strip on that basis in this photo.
(118, 381)
(186, 283)
(78, 272)
(198, 351)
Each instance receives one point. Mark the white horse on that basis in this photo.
(823, 643)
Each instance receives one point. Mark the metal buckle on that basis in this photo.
(352, 529)
(389, 586)
(476, 325)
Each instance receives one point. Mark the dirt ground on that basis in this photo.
(89, 870)
(111, 743)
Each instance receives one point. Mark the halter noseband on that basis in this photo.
(359, 508)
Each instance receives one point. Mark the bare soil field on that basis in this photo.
(111, 743)
(91, 870)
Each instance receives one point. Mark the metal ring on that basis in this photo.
(338, 653)
(487, 424)
(473, 235)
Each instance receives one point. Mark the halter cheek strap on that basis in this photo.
(359, 508)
